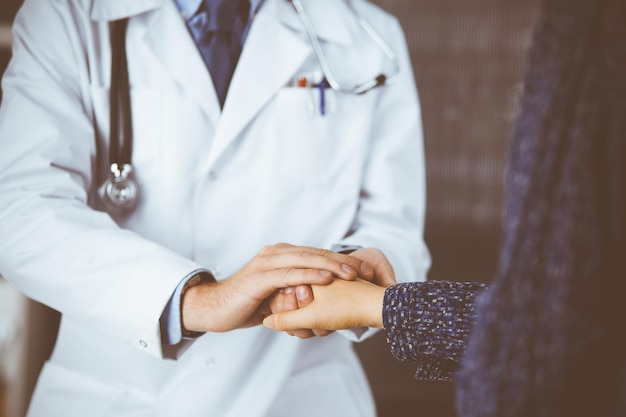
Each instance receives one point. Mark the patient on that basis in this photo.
(425, 322)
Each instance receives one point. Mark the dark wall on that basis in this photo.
(468, 59)
(8, 9)
(5, 55)
(7, 13)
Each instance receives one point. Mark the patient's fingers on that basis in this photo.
(286, 299)
(285, 321)
(304, 296)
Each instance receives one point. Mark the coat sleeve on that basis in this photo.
(393, 195)
(54, 247)
(428, 323)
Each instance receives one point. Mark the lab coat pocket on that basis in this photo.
(306, 138)
(66, 393)
(146, 128)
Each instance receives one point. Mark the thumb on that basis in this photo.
(284, 321)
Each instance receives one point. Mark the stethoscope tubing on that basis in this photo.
(121, 129)
(378, 81)
(120, 192)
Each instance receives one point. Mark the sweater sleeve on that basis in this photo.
(428, 323)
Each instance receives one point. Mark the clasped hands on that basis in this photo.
(302, 290)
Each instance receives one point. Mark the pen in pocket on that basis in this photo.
(303, 82)
(322, 86)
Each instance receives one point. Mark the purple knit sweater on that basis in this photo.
(428, 323)
(549, 339)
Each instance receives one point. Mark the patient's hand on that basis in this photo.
(339, 305)
(375, 268)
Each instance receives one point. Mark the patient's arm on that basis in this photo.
(425, 322)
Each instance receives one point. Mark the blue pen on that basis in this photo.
(322, 86)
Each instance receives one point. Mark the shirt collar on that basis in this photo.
(254, 5)
(189, 7)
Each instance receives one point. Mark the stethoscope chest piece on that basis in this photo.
(120, 192)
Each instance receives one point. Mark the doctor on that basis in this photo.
(160, 304)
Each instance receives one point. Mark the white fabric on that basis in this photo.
(215, 188)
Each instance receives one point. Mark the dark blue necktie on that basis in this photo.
(218, 28)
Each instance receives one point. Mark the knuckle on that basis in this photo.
(274, 249)
(285, 276)
(322, 251)
(286, 273)
(255, 264)
(266, 250)
(303, 253)
(275, 304)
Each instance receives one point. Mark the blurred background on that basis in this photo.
(468, 59)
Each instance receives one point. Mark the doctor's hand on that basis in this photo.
(240, 300)
(336, 306)
(383, 271)
(301, 296)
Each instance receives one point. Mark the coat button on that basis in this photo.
(143, 343)
(212, 175)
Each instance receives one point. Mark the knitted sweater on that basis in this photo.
(428, 323)
(549, 339)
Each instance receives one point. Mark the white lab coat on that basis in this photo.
(215, 187)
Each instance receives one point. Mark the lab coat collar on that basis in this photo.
(178, 53)
(263, 70)
(330, 18)
(154, 18)
(188, 7)
(271, 56)
(108, 10)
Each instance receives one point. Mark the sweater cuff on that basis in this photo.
(428, 323)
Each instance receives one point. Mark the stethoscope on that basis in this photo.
(120, 191)
(378, 81)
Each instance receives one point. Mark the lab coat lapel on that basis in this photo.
(168, 38)
(271, 56)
